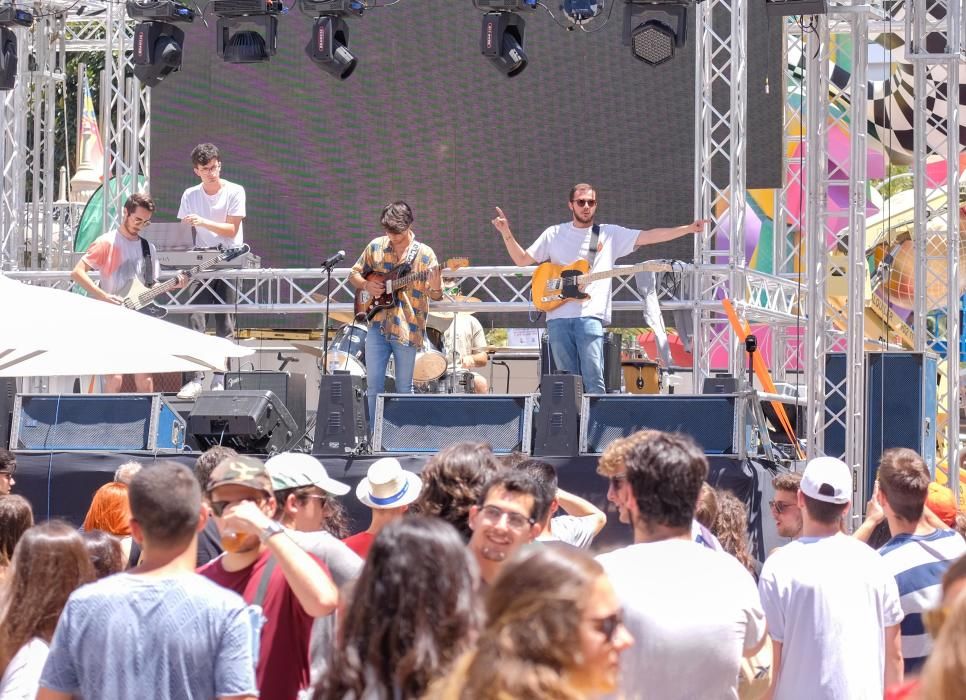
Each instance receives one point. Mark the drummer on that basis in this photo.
(465, 334)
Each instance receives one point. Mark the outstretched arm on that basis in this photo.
(659, 235)
(517, 253)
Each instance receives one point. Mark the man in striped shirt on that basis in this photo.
(918, 554)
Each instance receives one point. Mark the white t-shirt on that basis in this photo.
(828, 601)
(692, 612)
(564, 244)
(576, 530)
(119, 260)
(21, 678)
(228, 201)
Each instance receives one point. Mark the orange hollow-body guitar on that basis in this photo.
(554, 285)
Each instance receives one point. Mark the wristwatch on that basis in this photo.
(273, 528)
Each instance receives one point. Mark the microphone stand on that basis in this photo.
(325, 320)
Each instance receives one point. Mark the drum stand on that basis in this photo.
(451, 380)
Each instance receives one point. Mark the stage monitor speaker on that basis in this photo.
(547, 363)
(95, 422)
(8, 391)
(612, 362)
(340, 421)
(287, 386)
(711, 419)
(902, 407)
(183, 408)
(557, 422)
(430, 422)
(250, 422)
(725, 384)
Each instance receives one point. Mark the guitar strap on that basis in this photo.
(148, 264)
(592, 251)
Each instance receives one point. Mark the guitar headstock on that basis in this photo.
(233, 253)
(457, 263)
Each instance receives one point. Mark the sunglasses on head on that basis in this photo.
(609, 625)
(585, 202)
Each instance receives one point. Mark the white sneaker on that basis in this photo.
(190, 390)
(217, 384)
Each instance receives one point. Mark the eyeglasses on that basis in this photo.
(609, 625)
(934, 619)
(585, 202)
(780, 506)
(218, 507)
(214, 167)
(514, 521)
(141, 222)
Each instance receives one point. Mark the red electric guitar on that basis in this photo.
(367, 306)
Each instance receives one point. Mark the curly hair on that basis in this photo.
(453, 480)
(49, 563)
(534, 611)
(706, 510)
(110, 510)
(413, 611)
(731, 528)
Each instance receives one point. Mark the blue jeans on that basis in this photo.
(378, 351)
(578, 348)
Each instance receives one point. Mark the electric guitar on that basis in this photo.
(140, 298)
(554, 285)
(367, 306)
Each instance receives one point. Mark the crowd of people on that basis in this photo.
(474, 580)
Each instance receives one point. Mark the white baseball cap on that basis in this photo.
(290, 470)
(827, 479)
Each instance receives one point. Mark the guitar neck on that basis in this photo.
(414, 277)
(159, 289)
(640, 267)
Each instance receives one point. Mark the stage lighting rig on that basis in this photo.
(247, 30)
(581, 11)
(328, 47)
(158, 45)
(502, 34)
(10, 17)
(653, 39)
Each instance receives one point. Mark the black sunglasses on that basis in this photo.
(585, 202)
(218, 507)
(609, 625)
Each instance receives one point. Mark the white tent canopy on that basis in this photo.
(49, 332)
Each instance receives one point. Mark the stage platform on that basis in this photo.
(60, 484)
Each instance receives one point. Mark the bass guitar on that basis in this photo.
(554, 285)
(140, 298)
(367, 306)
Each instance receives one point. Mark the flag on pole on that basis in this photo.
(90, 149)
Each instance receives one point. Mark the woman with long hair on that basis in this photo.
(111, 512)
(412, 611)
(16, 517)
(452, 481)
(50, 561)
(731, 528)
(554, 632)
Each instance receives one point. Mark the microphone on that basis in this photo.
(330, 262)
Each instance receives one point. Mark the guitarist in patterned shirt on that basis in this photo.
(399, 330)
(577, 328)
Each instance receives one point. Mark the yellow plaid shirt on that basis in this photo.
(406, 321)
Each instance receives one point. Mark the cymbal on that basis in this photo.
(448, 315)
(340, 316)
(312, 350)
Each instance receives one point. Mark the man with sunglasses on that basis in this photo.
(693, 612)
(504, 519)
(784, 506)
(264, 565)
(215, 209)
(121, 256)
(577, 329)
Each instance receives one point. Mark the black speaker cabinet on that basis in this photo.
(711, 419)
(430, 422)
(557, 422)
(340, 421)
(8, 390)
(612, 362)
(250, 422)
(288, 386)
(95, 422)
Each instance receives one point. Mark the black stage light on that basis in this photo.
(328, 47)
(247, 30)
(580, 11)
(649, 32)
(784, 8)
(9, 17)
(157, 51)
(501, 41)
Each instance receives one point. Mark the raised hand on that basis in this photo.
(501, 223)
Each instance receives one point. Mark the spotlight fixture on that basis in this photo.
(580, 11)
(328, 47)
(784, 8)
(501, 36)
(653, 39)
(10, 17)
(247, 30)
(158, 45)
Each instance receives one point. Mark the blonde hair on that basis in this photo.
(612, 460)
(942, 677)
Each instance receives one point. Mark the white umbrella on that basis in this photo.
(47, 332)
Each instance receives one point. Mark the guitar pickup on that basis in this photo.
(553, 284)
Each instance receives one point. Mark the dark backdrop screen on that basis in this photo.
(427, 119)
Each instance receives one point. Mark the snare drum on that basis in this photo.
(348, 350)
(430, 363)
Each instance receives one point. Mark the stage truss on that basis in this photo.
(35, 240)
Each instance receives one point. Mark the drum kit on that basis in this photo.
(437, 369)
